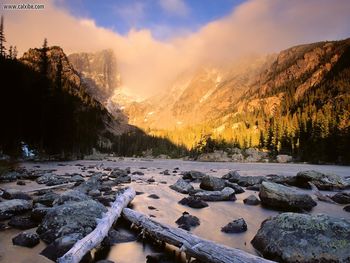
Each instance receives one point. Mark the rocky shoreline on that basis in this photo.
(59, 207)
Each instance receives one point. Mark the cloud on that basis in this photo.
(175, 7)
(148, 65)
(131, 13)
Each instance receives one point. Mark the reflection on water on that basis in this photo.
(168, 210)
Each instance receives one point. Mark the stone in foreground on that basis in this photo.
(293, 237)
(321, 180)
(26, 239)
(14, 207)
(226, 194)
(181, 186)
(212, 183)
(69, 218)
(251, 200)
(284, 198)
(236, 226)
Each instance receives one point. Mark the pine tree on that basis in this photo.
(2, 38)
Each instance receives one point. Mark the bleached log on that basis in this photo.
(319, 195)
(192, 245)
(83, 246)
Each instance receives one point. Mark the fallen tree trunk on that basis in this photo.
(319, 195)
(192, 245)
(83, 246)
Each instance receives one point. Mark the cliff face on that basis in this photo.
(99, 70)
(255, 84)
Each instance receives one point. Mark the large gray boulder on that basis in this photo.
(193, 176)
(293, 237)
(321, 180)
(250, 180)
(226, 194)
(69, 218)
(70, 196)
(284, 198)
(14, 207)
(212, 183)
(182, 186)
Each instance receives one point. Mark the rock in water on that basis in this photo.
(14, 207)
(186, 221)
(321, 180)
(347, 208)
(236, 226)
(284, 198)
(293, 237)
(60, 246)
(15, 194)
(226, 194)
(341, 198)
(251, 200)
(22, 222)
(70, 217)
(212, 183)
(232, 176)
(250, 180)
(193, 202)
(193, 176)
(25, 239)
(182, 186)
(70, 196)
(118, 236)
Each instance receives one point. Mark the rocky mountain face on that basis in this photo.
(197, 98)
(215, 95)
(98, 70)
(100, 74)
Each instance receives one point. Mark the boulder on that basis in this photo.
(118, 236)
(193, 202)
(294, 237)
(193, 176)
(15, 194)
(70, 196)
(284, 198)
(186, 221)
(60, 246)
(94, 183)
(284, 158)
(182, 186)
(22, 222)
(234, 186)
(39, 211)
(251, 200)
(10, 176)
(46, 199)
(250, 180)
(232, 176)
(236, 226)
(212, 183)
(341, 198)
(281, 179)
(226, 194)
(347, 208)
(51, 179)
(26, 239)
(321, 180)
(70, 217)
(14, 207)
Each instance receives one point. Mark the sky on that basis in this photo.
(157, 40)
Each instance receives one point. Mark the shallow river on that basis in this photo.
(168, 210)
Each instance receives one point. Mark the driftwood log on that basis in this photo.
(192, 245)
(83, 246)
